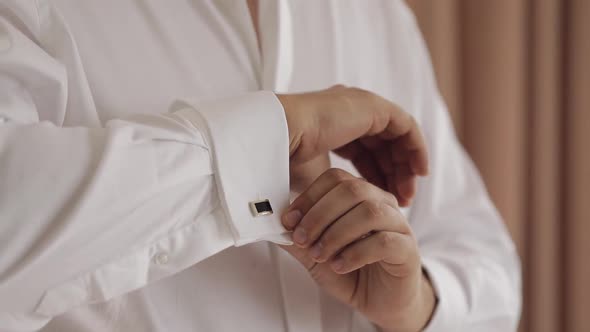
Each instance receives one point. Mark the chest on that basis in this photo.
(138, 56)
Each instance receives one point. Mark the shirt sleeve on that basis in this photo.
(464, 244)
(90, 213)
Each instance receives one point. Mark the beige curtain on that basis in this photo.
(516, 77)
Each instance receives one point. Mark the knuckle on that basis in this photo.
(372, 209)
(384, 240)
(354, 187)
(361, 93)
(404, 270)
(391, 199)
(337, 175)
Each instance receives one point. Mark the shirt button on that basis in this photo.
(161, 258)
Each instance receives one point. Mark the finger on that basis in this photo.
(334, 284)
(344, 197)
(397, 252)
(403, 129)
(385, 120)
(368, 168)
(364, 161)
(412, 148)
(408, 145)
(323, 184)
(403, 184)
(384, 159)
(366, 218)
(372, 142)
(379, 168)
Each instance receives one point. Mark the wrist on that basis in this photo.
(419, 312)
(293, 125)
(302, 126)
(428, 303)
(302, 175)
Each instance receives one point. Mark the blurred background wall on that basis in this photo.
(516, 77)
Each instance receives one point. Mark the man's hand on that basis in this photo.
(302, 175)
(383, 142)
(359, 248)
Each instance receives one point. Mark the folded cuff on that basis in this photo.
(248, 137)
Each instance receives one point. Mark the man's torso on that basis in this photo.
(138, 56)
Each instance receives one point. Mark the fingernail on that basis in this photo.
(292, 218)
(338, 264)
(300, 236)
(316, 251)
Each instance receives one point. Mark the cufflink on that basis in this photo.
(261, 208)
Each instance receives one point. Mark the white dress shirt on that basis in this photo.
(135, 133)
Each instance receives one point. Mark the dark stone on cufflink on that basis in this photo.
(261, 208)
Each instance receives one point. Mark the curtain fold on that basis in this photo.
(516, 77)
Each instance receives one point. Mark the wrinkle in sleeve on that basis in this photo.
(90, 213)
(88, 209)
(464, 244)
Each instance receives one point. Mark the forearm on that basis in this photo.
(138, 200)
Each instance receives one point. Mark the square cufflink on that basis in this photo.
(261, 208)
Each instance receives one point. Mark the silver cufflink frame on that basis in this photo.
(261, 208)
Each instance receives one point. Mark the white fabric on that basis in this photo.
(134, 134)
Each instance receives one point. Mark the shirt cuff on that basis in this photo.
(452, 306)
(249, 140)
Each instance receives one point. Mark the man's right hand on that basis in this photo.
(383, 142)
